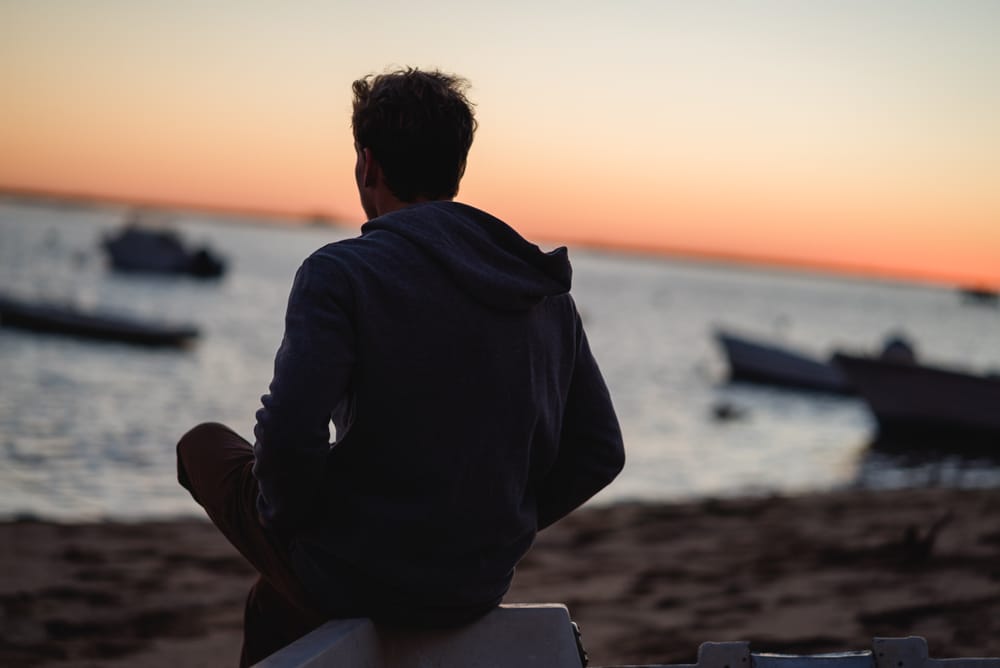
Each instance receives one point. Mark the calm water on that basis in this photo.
(87, 429)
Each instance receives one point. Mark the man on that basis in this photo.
(468, 409)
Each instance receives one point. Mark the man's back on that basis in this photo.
(460, 357)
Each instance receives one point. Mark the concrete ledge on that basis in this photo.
(885, 653)
(514, 636)
(912, 653)
(542, 636)
(349, 641)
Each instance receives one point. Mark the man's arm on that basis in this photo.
(311, 376)
(591, 452)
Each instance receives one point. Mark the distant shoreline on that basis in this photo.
(95, 201)
(762, 263)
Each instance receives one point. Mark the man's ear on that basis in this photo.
(371, 171)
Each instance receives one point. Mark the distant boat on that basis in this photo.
(771, 364)
(979, 294)
(136, 248)
(68, 320)
(919, 402)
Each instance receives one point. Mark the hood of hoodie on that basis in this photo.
(485, 256)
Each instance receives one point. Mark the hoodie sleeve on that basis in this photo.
(591, 451)
(311, 377)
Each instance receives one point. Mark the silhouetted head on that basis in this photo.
(418, 126)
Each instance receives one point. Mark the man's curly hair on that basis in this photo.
(419, 126)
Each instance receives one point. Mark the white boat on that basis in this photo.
(771, 364)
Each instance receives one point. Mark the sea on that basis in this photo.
(88, 428)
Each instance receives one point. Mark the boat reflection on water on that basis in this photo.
(896, 462)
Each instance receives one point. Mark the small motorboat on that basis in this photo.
(979, 294)
(140, 248)
(770, 364)
(915, 402)
(68, 320)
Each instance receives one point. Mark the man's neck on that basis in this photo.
(389, 204)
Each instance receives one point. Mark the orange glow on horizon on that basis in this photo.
(817, 134)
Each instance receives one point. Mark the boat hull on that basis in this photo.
(138, 250)
(772, 365)
(920, 402)
(56, 319)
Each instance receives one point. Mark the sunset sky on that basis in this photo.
(851, 133)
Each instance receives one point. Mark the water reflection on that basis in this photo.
(894, 462)
(87, 429)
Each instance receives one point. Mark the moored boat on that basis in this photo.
(72, 321)
(137, 248)
(980, 294)
(918, 402)
(767, 363)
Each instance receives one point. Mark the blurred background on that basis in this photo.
(816, 177)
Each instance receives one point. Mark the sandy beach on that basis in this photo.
(646, 583)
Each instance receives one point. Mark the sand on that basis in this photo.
(646, 583)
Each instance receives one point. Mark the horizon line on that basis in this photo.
(323, 217)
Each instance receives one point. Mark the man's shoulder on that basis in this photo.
(354, 257)
(371, 240)
(344, 250)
